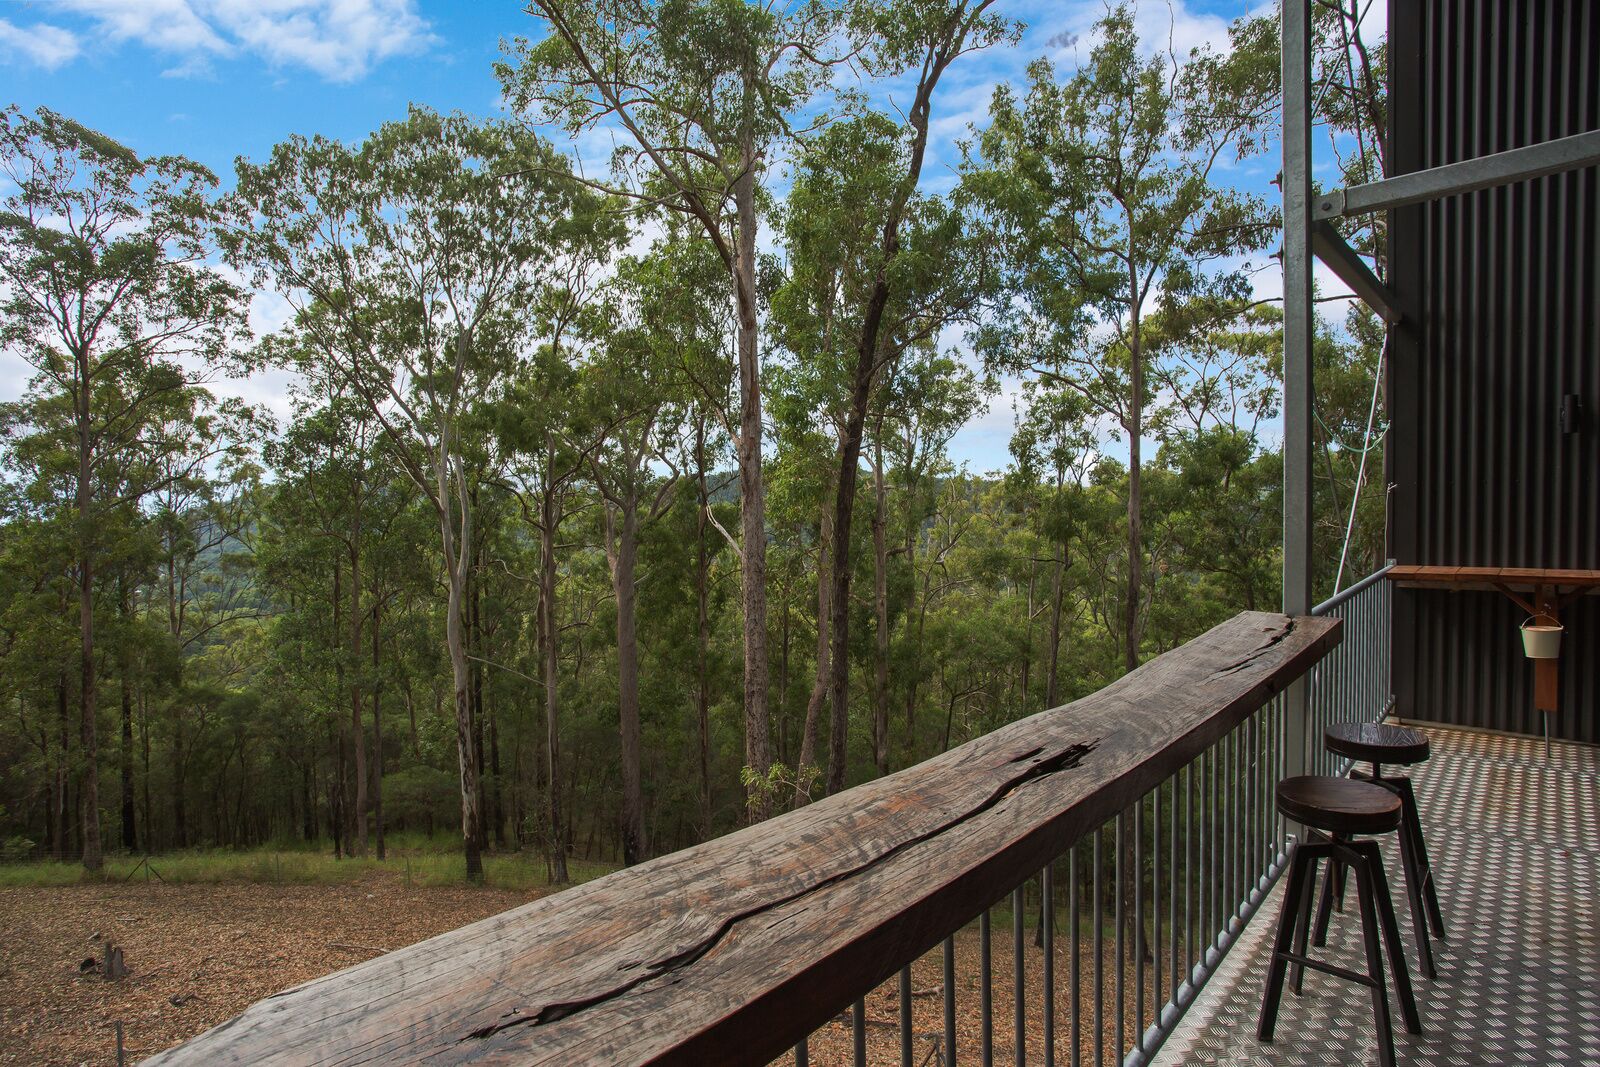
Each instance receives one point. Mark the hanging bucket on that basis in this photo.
(1541, 640)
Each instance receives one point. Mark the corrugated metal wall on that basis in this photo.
(1501, 291)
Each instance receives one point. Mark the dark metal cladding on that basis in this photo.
(1501, 294)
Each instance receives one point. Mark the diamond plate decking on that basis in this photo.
(1515, 843)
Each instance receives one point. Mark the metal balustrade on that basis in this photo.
(1144, 907)
(1353, 683)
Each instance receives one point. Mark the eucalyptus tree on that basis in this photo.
(109, 296)
(330, 479)
(916, 412)
(409, 259)
(704, 95)
(1053, 449)
(537, 426)
(1104, 185)
(635, 395)
(875, 266)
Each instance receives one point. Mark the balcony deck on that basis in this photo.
(1515, 843)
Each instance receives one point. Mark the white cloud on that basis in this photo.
(42, 44)
(338, 39)
(1162, 25)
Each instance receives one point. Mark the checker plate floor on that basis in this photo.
(1515, 844)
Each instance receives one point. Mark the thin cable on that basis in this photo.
(1361, 472)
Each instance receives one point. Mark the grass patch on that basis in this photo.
(416, 859)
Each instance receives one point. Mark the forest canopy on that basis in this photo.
(616, 510)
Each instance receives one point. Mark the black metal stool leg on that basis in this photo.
(1325, 904)
(1365, 891)
(1391, 937)
(1411, 820)
(1302, 924)
(1288, 920)
(1416, 877)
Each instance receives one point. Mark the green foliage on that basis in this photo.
(497, 548)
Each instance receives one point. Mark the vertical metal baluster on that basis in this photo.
(1210, 807)
(1121, 920)
(1258, 826)
(1236, 818)
(858, 1032)
(1191, 866)
(1019, 1002)
(986, 990)
(1217, 842)
(1249, 839)
(1138, 925)
(1047, 889)
(1157, 946)
(949, 1001)
(1225, 896)
(802, 1055)
(1281, 834)
(1220, 851)
(1098, 917)
(1074, 961)
(1172, 897)
(1207, 891)
(905, 1016)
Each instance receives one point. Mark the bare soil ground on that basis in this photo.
(199, 954)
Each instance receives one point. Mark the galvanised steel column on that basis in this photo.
(1297, 311)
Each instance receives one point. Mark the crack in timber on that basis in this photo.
(1241, 664)
(1065, 760)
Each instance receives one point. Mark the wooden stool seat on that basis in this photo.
(1339, 805)
(1377, 743)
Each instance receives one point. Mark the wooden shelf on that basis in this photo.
(1548, 590)
(1491, 579)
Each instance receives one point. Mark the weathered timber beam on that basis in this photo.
(1467, 176)
(1353, 270)
(731, 951)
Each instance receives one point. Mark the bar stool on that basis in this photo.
(1334, 811)
(1379, 744)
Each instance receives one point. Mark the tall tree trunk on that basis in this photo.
(752, 490)
(144, 752)
(308, 790)
(1053, 653)
(621, 541)
(556, 849)
(880, 615)
(358, 729)
(839, 589)
(130, 837)
(496, 810)
(702, 633)
(913, 608)
(377, 730)
(457, 559)
(1132, 629)
(475, 645)
(344, 841)
(868, 359)
(819, 689)
(180, 787)
(58, 794)
(89, 789)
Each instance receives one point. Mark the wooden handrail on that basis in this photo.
(732, 951)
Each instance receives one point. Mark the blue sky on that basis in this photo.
(216, 79)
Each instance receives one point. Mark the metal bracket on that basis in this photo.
(1353, 270)
(1469, 175)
